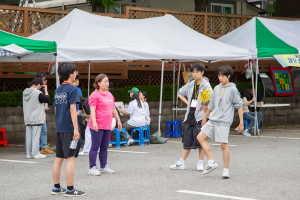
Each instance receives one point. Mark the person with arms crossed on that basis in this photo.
(224, 99)
(67, 146)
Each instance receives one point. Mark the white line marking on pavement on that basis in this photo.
(213, 195)
(17, 161)
(128, 151)
(272, 137)
(230, 145)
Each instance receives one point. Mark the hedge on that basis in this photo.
(14, 98)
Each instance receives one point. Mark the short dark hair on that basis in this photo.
(225, 70)
(35, 81)
(65, 69)
(77, 77)
(42, 75)
(144, 93)
(98, 79)
(200, 67)
(245, 93)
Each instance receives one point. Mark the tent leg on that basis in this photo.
(173, 91)
(178, 81)
(161, 91)
(56, 72)
(89, 79)
(255, 95)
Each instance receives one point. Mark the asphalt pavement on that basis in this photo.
(265, 167)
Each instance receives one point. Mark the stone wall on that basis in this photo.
(12, 118)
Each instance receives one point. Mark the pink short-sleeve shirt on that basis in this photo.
(104, 109)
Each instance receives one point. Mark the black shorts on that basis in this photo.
(189, 139)
(63, 142)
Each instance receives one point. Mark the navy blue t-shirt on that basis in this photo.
(64, 96)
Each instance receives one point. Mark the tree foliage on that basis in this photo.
(100, 5)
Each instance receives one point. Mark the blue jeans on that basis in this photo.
(43, 137)
(250, 116)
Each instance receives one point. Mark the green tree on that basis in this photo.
(100, 5)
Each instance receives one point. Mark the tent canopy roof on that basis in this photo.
(82, 36)
(35, 46)
(266, 37)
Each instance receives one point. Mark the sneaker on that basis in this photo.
(39, 156)
(74, 193)
(83, 153)
(107, 170)
(47, 151)
(200, 167)
(58, 191)
(94, 171)
(236, 129)
(110, 145)
(130, 142)
(29, 156)
(209, 168)
(246, 132)
(225, 175)
(178, 165)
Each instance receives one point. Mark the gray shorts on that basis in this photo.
(220, 133)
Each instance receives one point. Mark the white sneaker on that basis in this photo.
(110, 145)
(225, 175)
(83, 153)
(94, 171)
(209, 168)
(200, 167)
(107, 170)
(178, 165)
(130, 142)
(246, 132)
(39, 156)
(236, 129)
(29, 156)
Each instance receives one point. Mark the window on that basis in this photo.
(222, 8)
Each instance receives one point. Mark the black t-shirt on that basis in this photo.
(191, 120)
(259, 99)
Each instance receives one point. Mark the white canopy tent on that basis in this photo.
(83, 37)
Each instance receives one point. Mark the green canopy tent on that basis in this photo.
(266, 37)
(14, 48)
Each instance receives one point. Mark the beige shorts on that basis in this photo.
(220, 133)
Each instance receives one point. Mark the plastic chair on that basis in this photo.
(3, 139)
(173, 129)
(118, 140)
(139, 135)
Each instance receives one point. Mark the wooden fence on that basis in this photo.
(27, 21)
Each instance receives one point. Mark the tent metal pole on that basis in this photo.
(89, 77)
(173, 90)
(255, 95)
(56, 71)
(161, 92)
(178, 81)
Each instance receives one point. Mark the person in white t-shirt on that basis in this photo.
(137, 114)
(143, 95)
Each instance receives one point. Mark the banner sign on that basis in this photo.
(282, 81)
(288, 60)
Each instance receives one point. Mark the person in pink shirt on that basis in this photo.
(102, 106)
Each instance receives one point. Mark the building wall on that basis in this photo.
(287, 8)
(183, 5)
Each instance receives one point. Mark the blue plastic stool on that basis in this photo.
(173, 129)
(139, 135)
(118, 140)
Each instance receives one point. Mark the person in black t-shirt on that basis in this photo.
(66, 97)
(259, 99)
(43, 138)
(193, 116)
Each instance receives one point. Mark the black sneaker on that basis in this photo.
(58, 190)
(75, 193)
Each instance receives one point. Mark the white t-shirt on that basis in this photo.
(147, 113)
(137, 115)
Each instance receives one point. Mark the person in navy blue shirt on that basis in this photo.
(66, 97)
